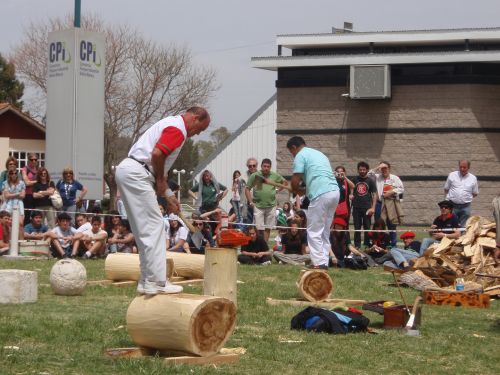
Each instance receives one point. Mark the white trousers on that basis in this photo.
(136, 186)
(319, 219)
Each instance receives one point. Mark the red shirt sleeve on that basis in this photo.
(170, 139)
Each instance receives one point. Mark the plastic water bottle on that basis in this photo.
(224, 221)
(459, 284)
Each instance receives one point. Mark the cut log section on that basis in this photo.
(124, 267)
(220, 273)
(190, 266)
(181, 322)
(314, 285)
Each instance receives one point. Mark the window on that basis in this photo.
(22, 158)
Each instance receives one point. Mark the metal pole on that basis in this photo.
(179, 183)
(14, 244)
(78, 6)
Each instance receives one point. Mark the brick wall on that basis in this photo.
(410, 153)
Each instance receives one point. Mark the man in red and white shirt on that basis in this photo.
(142, 176)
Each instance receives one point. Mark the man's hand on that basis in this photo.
(370, 212)
(161, 186)
(173, 205)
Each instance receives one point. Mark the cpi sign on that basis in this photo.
(75, 107)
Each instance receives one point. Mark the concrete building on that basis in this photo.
(255, 138)
(421, 100)
(20, 135)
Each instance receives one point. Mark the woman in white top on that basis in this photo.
(177, 235)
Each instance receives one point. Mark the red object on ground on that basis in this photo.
(232, 237)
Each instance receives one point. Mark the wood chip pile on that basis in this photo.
(469, 256)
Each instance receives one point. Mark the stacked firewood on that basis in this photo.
(470, 257)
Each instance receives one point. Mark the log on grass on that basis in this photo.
(190, 266)
(220, 273)
(181, 322)
(125, 266)
(314, 285)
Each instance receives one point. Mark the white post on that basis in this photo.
(14, 244)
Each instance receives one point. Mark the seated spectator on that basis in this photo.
(200, 239)
(288, 210)
(82, 223)
(64, 239)
(402, 258)
(35, 230)
(209, 192)
(278, 244)
(256, 251)
(445, 225)
(123, 241)
(13, 191)
(177, 235)
(339, 241)
(380, 242)
(94, 239)
(112, 222)
(293, 247)
(5, 225)
(42, 190)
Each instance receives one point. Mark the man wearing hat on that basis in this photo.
(445, 225)
(401, 258)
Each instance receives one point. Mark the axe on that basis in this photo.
(275, 184)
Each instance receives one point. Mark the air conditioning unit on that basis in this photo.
(370, 82)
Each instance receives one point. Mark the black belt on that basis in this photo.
(142, 163)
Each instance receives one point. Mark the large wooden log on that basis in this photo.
(190, 266)
(181, 322)
(220, 273)
(124, 266)
(314, 285)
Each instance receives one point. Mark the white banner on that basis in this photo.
(75, 107)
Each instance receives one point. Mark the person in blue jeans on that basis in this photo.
(401, 258)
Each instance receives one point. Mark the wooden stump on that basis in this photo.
(181, 322)
(314, 285)
(123, 267)
(220, 273)
(190, 266)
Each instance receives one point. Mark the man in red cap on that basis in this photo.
(403, 257)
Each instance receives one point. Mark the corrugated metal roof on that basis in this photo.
(200, 167)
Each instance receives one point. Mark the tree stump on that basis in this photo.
(125, 266)
(314, 285)
(220, 273)
(181, 322)
(190, 266)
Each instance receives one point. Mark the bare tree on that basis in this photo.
(144, 81)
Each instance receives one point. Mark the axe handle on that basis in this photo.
(275, 184)
(185, 221)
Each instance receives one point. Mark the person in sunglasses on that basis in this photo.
(68, 188)
(29, 173)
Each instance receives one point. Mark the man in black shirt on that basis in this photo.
(256, 252)
(363, 203)
(445, 225)
(294, 244)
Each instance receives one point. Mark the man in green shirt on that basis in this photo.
(263, 199)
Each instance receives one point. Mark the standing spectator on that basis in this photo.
(10, 165)
(263, 200)
(5, 225)
(363, 203)
(445, 225)
(256, 251)
(64, 239)
(42, 190)
(238, 190)
(390, 190)
(35, 230)
(13, 192)
(29, 173)
(313, 167)
(460, 187)
(211, 192)
(345, 187)
(68, 188)
(247, 209)
(94, 239)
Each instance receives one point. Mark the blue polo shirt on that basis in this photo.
(317, 171)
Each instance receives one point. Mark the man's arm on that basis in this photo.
(295, 182)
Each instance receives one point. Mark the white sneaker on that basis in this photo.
(267, 263)
(140, 287)
(152, 288)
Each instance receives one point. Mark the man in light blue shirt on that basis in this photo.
(313, 168)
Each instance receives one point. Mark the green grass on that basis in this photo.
(67, 335)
